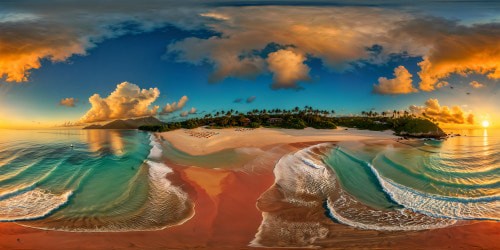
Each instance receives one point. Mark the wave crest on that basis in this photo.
(33, 204)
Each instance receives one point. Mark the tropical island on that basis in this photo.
(402, 123)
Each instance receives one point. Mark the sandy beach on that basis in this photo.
(230, 204)
(262, 137)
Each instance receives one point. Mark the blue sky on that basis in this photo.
(154, 56)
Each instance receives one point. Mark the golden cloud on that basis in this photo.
(452, 48)
(68, 102)
(126, 101)
(476, 84)
(288, 68)
(30, 33)
(432, 109)
(172, 107)
(341, 38)
(335, 35)
(400, 84)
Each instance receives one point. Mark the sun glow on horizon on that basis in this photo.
(485, 124)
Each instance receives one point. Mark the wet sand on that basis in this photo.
(225, 214)
(227, 217)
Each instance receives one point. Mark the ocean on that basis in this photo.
(454, 180)
(87, 180)
(114, 180)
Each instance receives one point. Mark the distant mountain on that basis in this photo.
(127, 124)
(93, 127)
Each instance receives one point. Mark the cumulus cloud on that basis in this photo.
(340, 38)
(400, 84)
(175, 106)
(68, 102)
(334, 35)
(184, 114)
(126, 101)
(432, 109)
(192, 111)
(238, 100)
(476, 84)
(251, 99)
(288, 69)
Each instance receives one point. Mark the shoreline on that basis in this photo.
(261, 137)
(227, 214)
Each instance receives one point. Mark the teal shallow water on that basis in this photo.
(458, 178)
(102, 183)
(115, 180)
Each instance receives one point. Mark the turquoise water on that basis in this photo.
(101, 183)
(115, 180)
(458, 178)
(228, 158)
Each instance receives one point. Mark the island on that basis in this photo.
(404, 125)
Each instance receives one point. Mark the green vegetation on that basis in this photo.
(418, 127)
(402, 124)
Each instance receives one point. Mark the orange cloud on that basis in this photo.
(444, 114)
(68, 102)
(341, 38)
(400, 84)
(476, 84)
(172, 107)
(126, 101)
(30, 33)
(334, 35)
(452, 48)
(288, 68)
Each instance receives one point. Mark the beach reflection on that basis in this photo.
(107, 140)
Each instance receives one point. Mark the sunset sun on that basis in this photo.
(485, 124)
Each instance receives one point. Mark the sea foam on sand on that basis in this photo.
(307, 198)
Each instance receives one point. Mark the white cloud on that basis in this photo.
(175, 106)
(339, 37)
(126, 101)
(400, 84)
(288, 69)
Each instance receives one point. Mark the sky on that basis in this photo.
(72, 63)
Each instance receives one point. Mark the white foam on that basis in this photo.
(350, 212)
(304, 174)
(156, 151)
(166, 205)
(487, 207)
(33, 204)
